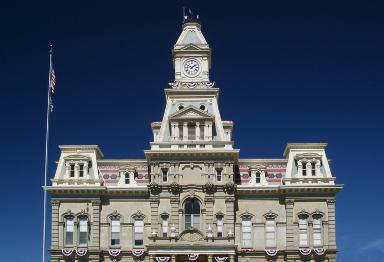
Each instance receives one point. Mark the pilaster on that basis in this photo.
(289, 204)
(96, 224)
(331, 224)
(230, 214)
(175, 200)
(154, 203)
(55, 224)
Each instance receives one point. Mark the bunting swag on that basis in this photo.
(81, 252)
(271, 252)
(305, 251)
(138, 252)
(114, 252)
(162, 259)
(193, 257)
(221, 259)
(67, 252)
(319, 251)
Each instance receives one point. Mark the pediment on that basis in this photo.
(190, 112)
(191, 47)
(307, 155)
(191, 235)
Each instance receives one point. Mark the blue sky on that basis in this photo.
(289, 71)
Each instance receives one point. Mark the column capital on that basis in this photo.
(289, 202)
(331, 201)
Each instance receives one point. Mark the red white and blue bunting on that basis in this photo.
(67, 252)
(271, 252)
(114, 252)
(193, 257)
(319, 251)
(137, 252)
(162, 259)
(305, 251)
(81, 252)
(221, 259)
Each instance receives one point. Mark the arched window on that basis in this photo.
(68, 230)
(164, 225)
(83, 231)
(317, 230)
(303, 230)
(115, 230)
(192, 214)
(219, 225)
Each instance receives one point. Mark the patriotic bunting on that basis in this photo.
(193, 257)
(67, 252)
(221, 259)
(305, 251)
(162, 259)
(81, 252)
(319, 251)
(271, 252)
(114, 252)
(138, 252)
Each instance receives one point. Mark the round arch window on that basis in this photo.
(192, 214)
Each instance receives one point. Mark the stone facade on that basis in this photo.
(192, 197)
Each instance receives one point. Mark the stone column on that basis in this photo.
(289, 203)
(300, 168)
(95, 224)
(154, 204)
(152, 258)
(197, 131)
(331, 224)
(210, 257)
(173, 131)
(231, 258)
(67, 170)
(206, 134)
(309, 168)
(175, 200)
(85, 169)
(229, 214)
(77, 170)
(55, 224)
(185, 131)
(209, 201)
(131, 172)
(318, 164)
(173, 258)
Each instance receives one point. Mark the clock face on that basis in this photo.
(191, 67)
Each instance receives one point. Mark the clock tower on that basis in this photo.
(191, 57)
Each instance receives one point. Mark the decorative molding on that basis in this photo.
(175, 188)
(209, 188)
(55, 202)
(246, 214)
(191, 235)
(96, 202)
(230, 188)
(138, 215)
(270, 214)
(331, 201)
(205, 84)
(154, 188)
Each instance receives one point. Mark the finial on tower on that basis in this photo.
(189, 16)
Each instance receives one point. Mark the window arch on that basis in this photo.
(69, 225)
(83, 230)
(192, 213)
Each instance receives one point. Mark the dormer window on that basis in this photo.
(219, 176)
(258, 178)
(81, 170)
(304, 170)
(72, 169)
(313, 169)
(164, 175)
(126, 178)
(308, 166)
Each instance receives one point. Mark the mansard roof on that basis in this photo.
(190, 112)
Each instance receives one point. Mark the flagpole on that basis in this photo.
(46, 149)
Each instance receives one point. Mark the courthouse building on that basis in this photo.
(193, 198)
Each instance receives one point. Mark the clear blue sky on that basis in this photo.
(289, 71)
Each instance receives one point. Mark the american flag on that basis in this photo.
(53, 80)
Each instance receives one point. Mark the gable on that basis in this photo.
(191, 112)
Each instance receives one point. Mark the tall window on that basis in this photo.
(220, 226)
(304, 166)
(164, 174)
(192, 214)
(270, 232)
(246, 232)
(83, 231)
(69, 229)
(115, 230)
(258, 177)
(72, 170)
(81, 170)
(313, 166)
(191, 131)
(303, 231)
(164, 225)
(126, 178)
(139, 232)
(219, 176)
(317, 234)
